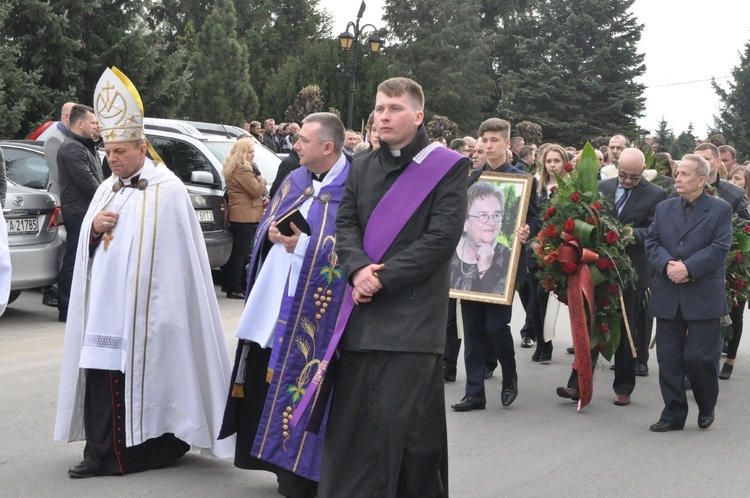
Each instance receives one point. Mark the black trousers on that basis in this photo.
(735, 314)
(481, 320)
(527, 294)
(453, 343)
(690, 347)
(104, 421)
(386, 432)
(65, 277)
(242, 246)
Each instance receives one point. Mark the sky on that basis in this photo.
(683, 41)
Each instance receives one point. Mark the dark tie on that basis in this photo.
(621, 201)
(688, 208)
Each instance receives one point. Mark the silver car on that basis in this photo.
(32, 218)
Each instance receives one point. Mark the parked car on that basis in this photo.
(28, 162)
(33, 219)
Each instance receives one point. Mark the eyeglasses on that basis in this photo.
(485, 217)
(464, 151)
(623, 176)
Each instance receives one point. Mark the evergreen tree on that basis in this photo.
(685, 144)
(664, 136)
(439, 43)
(576, 68)
(221, 88)
(531, 132)
(734, 117)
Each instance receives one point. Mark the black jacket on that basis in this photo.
(289, 164)
(410, 312)
(80, 173)
(270, 141)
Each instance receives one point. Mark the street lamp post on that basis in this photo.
(348, 39)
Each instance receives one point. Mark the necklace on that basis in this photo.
(118, 187)
(472, 268)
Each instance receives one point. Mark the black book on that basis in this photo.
(293, 217)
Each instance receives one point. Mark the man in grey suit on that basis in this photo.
(687, 246)
(52, 145)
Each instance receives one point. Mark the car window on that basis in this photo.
(26, 168)
(183, 158)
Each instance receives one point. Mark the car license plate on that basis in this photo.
(205, 215)
(20, 226)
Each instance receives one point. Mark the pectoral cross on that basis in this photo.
(107, 239)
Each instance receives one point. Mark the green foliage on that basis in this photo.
(221, 90)
(308, 101)
(531, 132)
(575, 72)
(440, 126)
(441, 45)
(685, 144)
(734, 117)
(664, 136)
(648, 152)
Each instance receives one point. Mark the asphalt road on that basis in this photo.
(539, 446)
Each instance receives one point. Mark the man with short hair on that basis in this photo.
(350, 142)
(286, 166)
(80, 173)
(515, 147)
(728, 156)
(52, 145)
(617, 144)
(398, 225)
(269, 135)
(479, 158)
(460, 146)
(294, 280)
(526, 159)
(634, 200)
(687, 246)
(255, 130)
(288, 143)
(145, 366)
(471, 142)
(726, 190)
(481, 319)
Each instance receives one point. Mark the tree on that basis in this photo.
(438, 43)
(734, 115)
(440, 126)
(664, 136)
(221, 90)
(308, 101)
(685, 144)
(577, 62)
(531, 132)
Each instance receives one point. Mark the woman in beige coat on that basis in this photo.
(247, 199)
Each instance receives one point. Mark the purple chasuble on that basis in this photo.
(390, 216)
(305, 325)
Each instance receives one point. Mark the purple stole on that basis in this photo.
(305, 325)
(395, 208)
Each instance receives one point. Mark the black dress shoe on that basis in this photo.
(666, 426)
(488, 373)
(80, 471)
(537, 353)
(570, 350)
(469, 403)
(641, 369)
(235, 295)
(527, 342)
(705, 420)
(546, 356)
(726, 371)
(509, 393)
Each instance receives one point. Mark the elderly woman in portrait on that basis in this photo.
(246, 190)
(480, 263)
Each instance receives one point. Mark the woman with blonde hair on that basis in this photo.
(246, 191)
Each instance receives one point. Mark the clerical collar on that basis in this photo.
(321, 176)
(396, 153)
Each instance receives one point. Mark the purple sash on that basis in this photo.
(387, 220)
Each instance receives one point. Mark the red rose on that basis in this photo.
(553, 189)
(597, 206)
(569, 225)
(602, 347)
(569, 268)
(612, 264)
(746, 228)
(551, 231)
(602, 263)
(739, 284)
(611, 237)
(604, 301)
(604, 328)
(575, 197)
(568, 167)
(613, 288)
(738, 257)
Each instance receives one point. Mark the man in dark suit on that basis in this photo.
(687, 246)
(634, 200)
(269, 135)
(727, 191)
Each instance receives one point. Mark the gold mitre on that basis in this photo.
(118, 108)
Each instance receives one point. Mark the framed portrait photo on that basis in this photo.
(484, 265)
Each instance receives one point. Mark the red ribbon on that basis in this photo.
(580, 289)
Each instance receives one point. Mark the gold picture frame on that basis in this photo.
(485, 263)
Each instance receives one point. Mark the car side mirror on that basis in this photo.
(202, 177)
